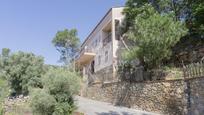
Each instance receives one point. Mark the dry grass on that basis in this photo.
(173, 73)
(78, 113)
(20, 108)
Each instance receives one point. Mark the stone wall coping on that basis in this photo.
(109, 83)
(147, 82)
(158, 81)
(186, 79)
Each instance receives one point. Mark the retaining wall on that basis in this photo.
(175, 97)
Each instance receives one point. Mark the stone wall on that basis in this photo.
(105, 74)
(176, 97)
(196, 87)
(98, 92)
(165, 97)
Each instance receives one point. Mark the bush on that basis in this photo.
(61, 85)
(23, 70)
(42, 103)
(3, 92)
(61, 81)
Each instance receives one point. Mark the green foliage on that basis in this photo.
(4, 56)
(67, 43)
(5, 52)
(61, 80)
(42, 103)
(126, 71)
(3, 92)
(132, 10)
(190, 11)
(3, 82)
(23, 70)
(173, 72)
(4, 88)
(198, 16)
(61, 85)
(153, 36)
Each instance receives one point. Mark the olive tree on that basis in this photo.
(23, 70)
(60, 86)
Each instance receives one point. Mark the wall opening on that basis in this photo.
(92, 66)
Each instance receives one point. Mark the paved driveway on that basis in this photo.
(91, 107)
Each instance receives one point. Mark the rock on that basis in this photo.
(167, 84)
(20, 96)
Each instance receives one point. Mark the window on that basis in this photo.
(117, 28)
(94, 43)
(106, 56)
(99, 39)
(107, 38)
(99, 60)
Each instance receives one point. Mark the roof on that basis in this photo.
(99, 24)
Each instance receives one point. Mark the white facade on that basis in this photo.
(102, 43)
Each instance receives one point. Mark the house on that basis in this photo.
(99, 52)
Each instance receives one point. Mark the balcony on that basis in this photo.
(86, 56)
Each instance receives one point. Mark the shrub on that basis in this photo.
(61, 85)
(42, 103)
(3, 92)
(61, 81)
(23, 70)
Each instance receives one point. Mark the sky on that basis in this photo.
(30, 25)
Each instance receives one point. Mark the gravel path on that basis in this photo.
(91, 107)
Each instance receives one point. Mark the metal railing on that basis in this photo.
(194, 70)
(82, 51)
(85, 49)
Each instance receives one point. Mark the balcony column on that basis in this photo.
(84, 71)
(114, 44)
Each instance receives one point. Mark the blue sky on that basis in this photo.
(30, 25)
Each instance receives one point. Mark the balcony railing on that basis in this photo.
(82, 51)
(85, 49)
(85, 56)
